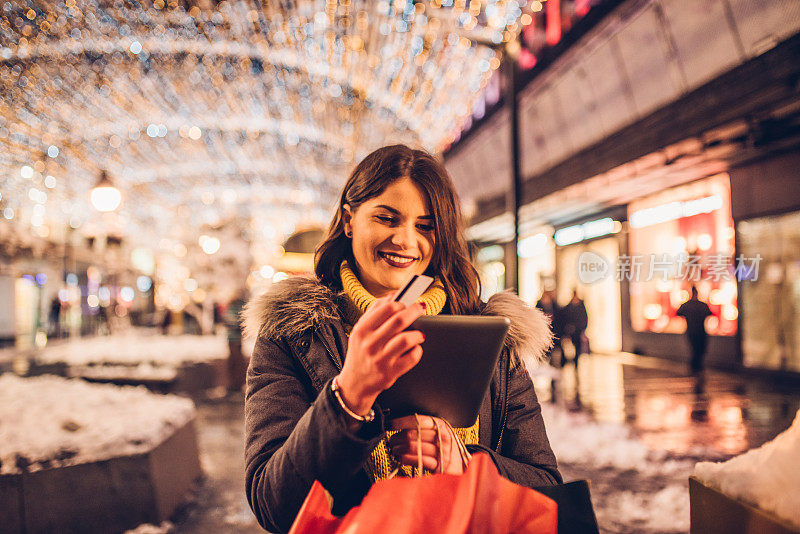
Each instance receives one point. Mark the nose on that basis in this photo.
(403, 236)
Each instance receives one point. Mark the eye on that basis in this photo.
(385, 218)
(425, 227)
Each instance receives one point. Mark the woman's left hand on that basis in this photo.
(403, 444)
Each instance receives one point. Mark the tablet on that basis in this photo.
(459, 355)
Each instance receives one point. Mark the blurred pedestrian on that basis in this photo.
(575, 321)
(166, 322)
(549, 306)
(104, 326)
(695, 311)
(219, 314)
(237, 367)
(54, 317)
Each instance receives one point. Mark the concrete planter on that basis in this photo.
(106, 496)
(195, 377)
(713, 512)
(189, 378)
(38, 369)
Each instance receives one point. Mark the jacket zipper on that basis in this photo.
(505, 406)
(328, 349)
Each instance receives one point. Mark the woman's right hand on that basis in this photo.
(379, 352)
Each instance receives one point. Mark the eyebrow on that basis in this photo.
(392, 210)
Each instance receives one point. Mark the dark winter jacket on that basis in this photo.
(695, 312)
(555, 313)
(296, 433)
(574, 317)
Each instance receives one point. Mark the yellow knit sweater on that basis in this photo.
(381, 464)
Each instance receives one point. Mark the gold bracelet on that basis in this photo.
(337, 393)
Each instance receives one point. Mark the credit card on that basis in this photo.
(413, 289)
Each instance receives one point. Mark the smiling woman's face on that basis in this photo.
(393, 236)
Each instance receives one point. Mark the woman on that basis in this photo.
(327, 346)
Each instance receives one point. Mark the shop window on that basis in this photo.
(491, 270)
(536, 265)
(679, 238)
(771, 297)
(601, 296)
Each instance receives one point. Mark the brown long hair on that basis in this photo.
(450, 261)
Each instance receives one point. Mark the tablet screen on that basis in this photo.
(450, 381)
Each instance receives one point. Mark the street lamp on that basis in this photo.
(210, 245)
(105, 197)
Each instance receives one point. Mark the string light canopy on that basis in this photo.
(204, 111)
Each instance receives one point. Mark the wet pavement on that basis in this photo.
(715, 413)
(219, 503)
(683, 419)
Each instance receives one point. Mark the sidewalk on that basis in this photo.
(636, 426)
(669, 409)
(633, 426)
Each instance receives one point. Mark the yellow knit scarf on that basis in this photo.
(380, 463)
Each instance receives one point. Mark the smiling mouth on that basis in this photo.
(396, 259)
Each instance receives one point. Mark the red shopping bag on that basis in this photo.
(478, 501)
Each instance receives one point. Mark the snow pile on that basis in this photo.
(578, 439)
(143, 371)
(49, 421)
(766, 477)
(666, 510)
(122, 349)
(6, 355)
(164, 528)
(660, 500)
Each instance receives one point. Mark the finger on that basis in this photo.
(403, 342)
(380, 311)
(397, 322)
(411, 447)
(410, 422)
(412, 455)
(405, 362)
(428, 462)
(447, 442)
(390, 295)
(377, 314)
(409, 436)
(381, 301)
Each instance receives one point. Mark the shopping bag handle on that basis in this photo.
(462, 449)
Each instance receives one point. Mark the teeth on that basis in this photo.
(397, 259)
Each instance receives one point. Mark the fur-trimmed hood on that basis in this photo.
(294, 305)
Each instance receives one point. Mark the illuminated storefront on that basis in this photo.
(7, 315)
(771, 297)
(491, 270)
(30, 286)
(766, 209)
(596, 239)
(679, 238)
(27, 299)
(537, 262)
